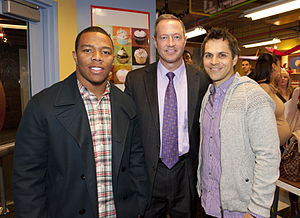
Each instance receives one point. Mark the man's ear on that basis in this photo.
(74, 57)
(235, 59)
(154, 41)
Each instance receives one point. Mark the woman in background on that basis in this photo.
(293, 118)
(284, 85)
(267, 70)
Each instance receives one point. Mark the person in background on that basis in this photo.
(187, 57)
(267, 71)
(168, 95)
(284, 86)
(293, 119)
(246, 66)
(78, 151)
(293, 107)
(239, 154)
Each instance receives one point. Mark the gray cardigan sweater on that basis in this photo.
(250, 154)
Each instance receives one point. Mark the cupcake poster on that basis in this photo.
(131, 50)
(131, 45)
(130, 33)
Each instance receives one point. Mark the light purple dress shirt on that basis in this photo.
(180, 84)
(211, 161)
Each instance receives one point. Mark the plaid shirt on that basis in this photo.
(99, 114)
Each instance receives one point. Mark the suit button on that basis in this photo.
(247, 180)
(83, 177)
(123, 169)
(153, 167)
(125, 197)
(82, 211)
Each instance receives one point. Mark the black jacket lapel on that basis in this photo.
(120, 114)
(150, 82)
(71, 113)
(193, 80)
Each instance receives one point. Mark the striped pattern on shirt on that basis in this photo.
(99, 115)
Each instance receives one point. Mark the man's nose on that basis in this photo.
(171, 41)
(97, 56)
(214, 60)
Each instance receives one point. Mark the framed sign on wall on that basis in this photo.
(130, 32)
(294, 62)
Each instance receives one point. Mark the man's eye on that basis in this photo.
(106, 52)
(223, 55)
(163, 37)
(87, 50)
(207, 55)
(177, 37)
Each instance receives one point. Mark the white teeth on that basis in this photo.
(96, 68)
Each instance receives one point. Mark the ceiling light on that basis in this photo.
(196, 31)
(12, 26)
(257, 44)
(270, 9)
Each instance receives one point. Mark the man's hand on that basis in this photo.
(248, 215)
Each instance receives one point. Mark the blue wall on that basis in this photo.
(84, 12)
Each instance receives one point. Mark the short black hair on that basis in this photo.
(221, 33)
(91, 29)
(263, 67)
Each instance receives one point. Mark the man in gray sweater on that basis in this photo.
(239, 147)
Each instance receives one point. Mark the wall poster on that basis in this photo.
(294, 62)
(130, 32)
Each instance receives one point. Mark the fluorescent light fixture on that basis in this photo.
(195, 32)
(257, 44)
(12, 26)
(270, 9)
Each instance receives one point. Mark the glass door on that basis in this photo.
(14, 76)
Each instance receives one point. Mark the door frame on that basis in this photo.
(43, 53)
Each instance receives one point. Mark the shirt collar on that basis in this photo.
(223, 87)
(85, 93)
(163, 70)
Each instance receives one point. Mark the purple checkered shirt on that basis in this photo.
(99, 114)
(211, 161)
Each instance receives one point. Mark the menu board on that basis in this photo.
(130, 33)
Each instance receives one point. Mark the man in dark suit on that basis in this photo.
(171, 151)
(78, 152)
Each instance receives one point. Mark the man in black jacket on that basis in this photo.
(172, 177)
(78, 152)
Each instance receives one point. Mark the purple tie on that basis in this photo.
(169, 154)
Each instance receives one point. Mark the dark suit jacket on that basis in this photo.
(251, 75)
(54, 166)
(141, 85)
